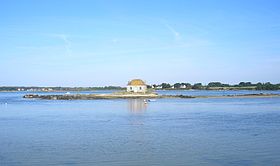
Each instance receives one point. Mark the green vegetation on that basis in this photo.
(267, 86)
(218, 86)
(165, 85)
(245, 84)
(197, 86)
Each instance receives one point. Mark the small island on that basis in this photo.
(136, 89)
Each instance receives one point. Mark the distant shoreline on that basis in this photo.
(54, 91)
(162, 86)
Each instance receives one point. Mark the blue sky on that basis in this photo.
(97, 43)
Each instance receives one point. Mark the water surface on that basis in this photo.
(237, 131)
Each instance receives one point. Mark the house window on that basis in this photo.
(130, 88)
(140, 88)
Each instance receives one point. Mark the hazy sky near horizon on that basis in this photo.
(97, 43)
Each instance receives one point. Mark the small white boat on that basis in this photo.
(145, 101)
(148, 100)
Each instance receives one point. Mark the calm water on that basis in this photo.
(214, 132)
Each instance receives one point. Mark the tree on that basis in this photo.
(165, 85)
(149, 86)
(259, 86)
(215, 84)
(266, 86)
(177, 85)
(242, 84)
(197, 86)
(154, 85)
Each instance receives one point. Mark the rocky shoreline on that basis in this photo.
(135, 96)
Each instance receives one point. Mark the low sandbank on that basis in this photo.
(136, 96)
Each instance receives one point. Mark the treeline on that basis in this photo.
(218, 86)
(167, 86)
(33, 88)
(267, 86)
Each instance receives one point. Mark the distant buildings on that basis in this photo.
(183, 86)
(156, 87)
(137, 86)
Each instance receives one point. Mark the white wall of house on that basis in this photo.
(136, 88)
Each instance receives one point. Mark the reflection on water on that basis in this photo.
(137, 105)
